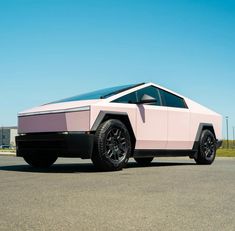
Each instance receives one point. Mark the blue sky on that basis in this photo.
(57, 48)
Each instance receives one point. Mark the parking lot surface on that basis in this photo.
(171, 194)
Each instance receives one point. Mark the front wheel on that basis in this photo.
(40, 160)
(207, 148)
(112, 146)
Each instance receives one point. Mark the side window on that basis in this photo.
(130, 98)
(171, 100)
(151, 91)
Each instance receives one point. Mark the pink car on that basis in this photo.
(109, 126)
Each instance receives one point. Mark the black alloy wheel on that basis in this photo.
(112, 146)
(207, 148)
(116, 144)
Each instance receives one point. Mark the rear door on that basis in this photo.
(178, 121)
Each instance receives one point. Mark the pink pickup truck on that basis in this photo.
(111, 125)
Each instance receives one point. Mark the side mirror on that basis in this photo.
(147, 99)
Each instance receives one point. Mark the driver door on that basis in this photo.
(151, 121)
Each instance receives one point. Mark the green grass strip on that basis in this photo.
(226, 152)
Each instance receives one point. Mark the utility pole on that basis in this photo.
(233, 137)
(227, 132)
(2, 136)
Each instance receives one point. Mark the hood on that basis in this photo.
(82, 105)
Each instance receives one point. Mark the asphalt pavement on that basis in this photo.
(171, 194)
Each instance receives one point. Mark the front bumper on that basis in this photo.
(64, 145)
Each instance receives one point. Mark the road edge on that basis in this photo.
(7, 154)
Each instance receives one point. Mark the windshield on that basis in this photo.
(100, 94)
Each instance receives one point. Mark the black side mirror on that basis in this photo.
(147, 99)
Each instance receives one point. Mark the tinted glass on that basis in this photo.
(136, 97)
(151, 91)
(100, 94)
(130, 98)
(171, 100)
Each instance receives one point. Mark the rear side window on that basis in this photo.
(171, 100)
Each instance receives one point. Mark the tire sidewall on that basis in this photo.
(202, 157)
(99, 157)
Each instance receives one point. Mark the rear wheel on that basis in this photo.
(40, 160)
(207, 148)
(144, 161)
(112, 146)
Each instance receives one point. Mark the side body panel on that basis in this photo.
(151, 127)
(178, 129)
(159, 128)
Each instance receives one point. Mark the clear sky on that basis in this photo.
(53, 49)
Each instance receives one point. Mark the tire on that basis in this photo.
(144, 161)
(112, 146)
(207, 148)
(40, 160)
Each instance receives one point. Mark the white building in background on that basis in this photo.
(7, 136)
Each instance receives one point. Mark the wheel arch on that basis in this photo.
(202, 127)
(122, 116)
